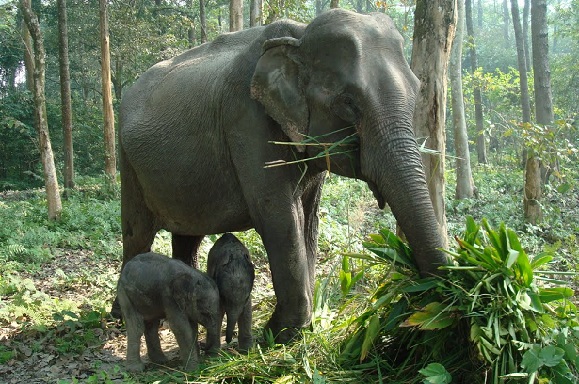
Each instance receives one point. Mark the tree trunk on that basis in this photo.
(50, 181)
(334, 3)
(235, 15)
(255, 11)
(203, 21)
(543, 106)
(65, 97)
(434, 27)
(478, 113)
(526, 12)
(28, 57)
(506, 20)
(521, 62)
(108, 114)
(464, 180)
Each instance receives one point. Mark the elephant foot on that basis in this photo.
(134, 366)
(158, 358)
(281, 335)
(245, 344)
(116, 310)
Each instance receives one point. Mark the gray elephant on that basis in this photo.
(197, 130)
(153, 287)
(229, 264)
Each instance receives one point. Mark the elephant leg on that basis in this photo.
(185, 248)
(186, 334)
(311, 202)
(135, 325)
(244, 327)
(154, 350)
(283, 237)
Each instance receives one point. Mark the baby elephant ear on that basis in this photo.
(182, 288)
(275, 84)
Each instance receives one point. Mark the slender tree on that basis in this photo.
(464, 181)
(203, 21)
(108, 114)
(478, 112)
(255, 11)
(47, 157)
(506, 26)
(65, 97)
(434, 28)
(526, 13)
(543, 107)
(521, 62)
(235, 15)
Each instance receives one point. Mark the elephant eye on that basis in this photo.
(344, 107)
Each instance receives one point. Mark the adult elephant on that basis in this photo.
(196, 131)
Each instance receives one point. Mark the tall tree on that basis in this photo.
(506, 26)
(543, 107)
(526, 13)
(255, 11)
(434, 27)
(47, 157)
(521, 62)
(203, 21)
(65, 98)
(108, 114)
(464, 180)
(235, 15)
(478, 112)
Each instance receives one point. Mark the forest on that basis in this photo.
(497, 127)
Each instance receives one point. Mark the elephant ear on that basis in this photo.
(275, 84)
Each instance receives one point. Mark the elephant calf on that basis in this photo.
(152, 287)
(229, 264)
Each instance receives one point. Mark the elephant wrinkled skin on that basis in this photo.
(229, 264)
(196, 132)
(153, 287)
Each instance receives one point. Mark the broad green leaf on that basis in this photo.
(564, 188)
(435, 373)
(512, 258)
(370, 335)
(422, 285)
(556, 293)
(551, 355)
(541, 259)
(531, 360)
(398, 309)
(434, 315)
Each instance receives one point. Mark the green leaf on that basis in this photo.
(556, 293)
(541, 259)
(421, 285)
(435, 373)
(370, 335)
(434, 315)
(531, 360)
(551, 355)
(564, 188)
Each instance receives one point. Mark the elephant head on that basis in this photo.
(346, 82)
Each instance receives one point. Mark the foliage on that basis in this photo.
(494, 302)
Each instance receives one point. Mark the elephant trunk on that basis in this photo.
(213, 342)
(393, 163)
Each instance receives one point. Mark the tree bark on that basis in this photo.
(65, 97)
(108, 114)
(480, 138)
(434, 28)
(255, 12)
(47, 157)
(526, 13)
(543, 107)
(235, 15)
(203, 21)
(28, 57)
(506, 20)
(464, 180)
(521, 62)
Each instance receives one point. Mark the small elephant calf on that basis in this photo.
(229, 264)
(152, 287)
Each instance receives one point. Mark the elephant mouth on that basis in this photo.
(377, 194)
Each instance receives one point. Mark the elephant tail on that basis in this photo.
(231, 321)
